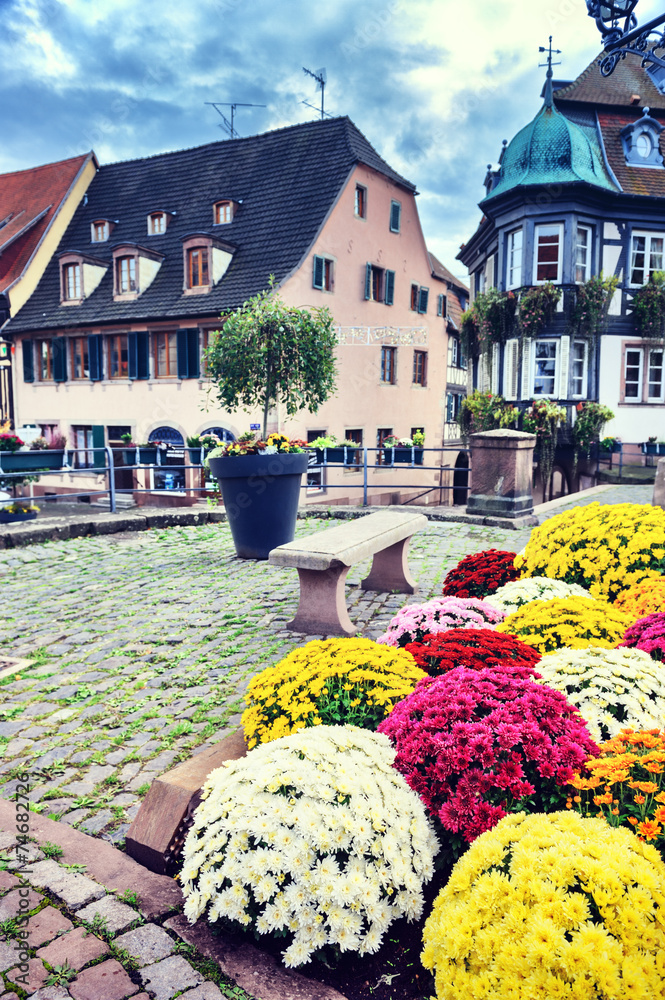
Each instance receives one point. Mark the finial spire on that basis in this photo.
(549, 91)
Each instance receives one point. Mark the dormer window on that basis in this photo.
(197, 267)
(101, 230)
(205, 260)
(79, 276)
(223, 212)
(71, 282)
(156, 223)
(640, 142)
(134, 270)
(125, 275)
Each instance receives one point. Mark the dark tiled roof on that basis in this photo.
(29, 199)
(648, 181)
(628, 80)
(286, 181)
(440, 270)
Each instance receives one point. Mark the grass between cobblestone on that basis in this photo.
(141, 647)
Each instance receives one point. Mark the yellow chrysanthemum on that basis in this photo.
(606, 549)
(329, 681)
(642, 599)
(537, 940)
(575, 622)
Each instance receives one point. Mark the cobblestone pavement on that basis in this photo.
(142, 645)
(66, 937)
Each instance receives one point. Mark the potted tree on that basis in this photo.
(267, 351)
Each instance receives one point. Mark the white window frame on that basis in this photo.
(578, 246)
(585, 368)
(646, 271)
(649, 352)
(513, 270)
(631, 400)
(534, 369)
(547, 229)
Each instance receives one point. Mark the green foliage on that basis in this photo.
(52, 850)
(490, 320)
(485, 411)
(131, 898)
(543, 420)
(588, 426)
(61, 974)
(649, 307)
(267, 351)
(537, 308)
(592, 300)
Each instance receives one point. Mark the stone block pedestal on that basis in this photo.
(501, 473)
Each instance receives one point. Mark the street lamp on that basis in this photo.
(621, 35)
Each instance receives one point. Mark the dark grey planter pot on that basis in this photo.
(261, 495)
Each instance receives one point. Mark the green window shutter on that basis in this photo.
(439, 305)
(450, 408)
(319, 269)
(368, 281)
(99, 441)
(95, 357)
(132, 349)
(395, 216)
(423, 296)
(390, 288)
(28, 361)
(59, 348)
(142, 350)
(193, 353)
(183, 366)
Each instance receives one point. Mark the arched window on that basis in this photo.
(169, 435)
(221, 433)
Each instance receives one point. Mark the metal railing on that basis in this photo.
(76, 463)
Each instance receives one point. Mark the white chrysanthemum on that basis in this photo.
(612, 688)
(263, 846)
(514, 595)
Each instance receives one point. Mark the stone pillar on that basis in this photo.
(659, 485)
(501, 473)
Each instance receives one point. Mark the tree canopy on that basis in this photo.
(267, 351)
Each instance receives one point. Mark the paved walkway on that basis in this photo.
(143, 643)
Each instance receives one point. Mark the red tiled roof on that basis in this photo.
(29, 200)
(440, 270)
(629, 80)
(649, 181)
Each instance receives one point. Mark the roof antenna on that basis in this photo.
(548, 83)
(228, 125)
(321, 79)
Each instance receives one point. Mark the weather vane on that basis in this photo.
(621, 35)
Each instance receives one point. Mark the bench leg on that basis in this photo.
(390, 570)
(322, 609)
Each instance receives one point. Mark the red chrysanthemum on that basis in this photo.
(477, 744)
(476, 649)
(480, 574)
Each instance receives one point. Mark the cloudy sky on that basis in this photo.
(435, 85)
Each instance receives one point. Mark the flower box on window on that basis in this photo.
(31, 461)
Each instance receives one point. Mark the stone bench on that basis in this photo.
(324, 559)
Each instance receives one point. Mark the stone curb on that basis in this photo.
(52, 530)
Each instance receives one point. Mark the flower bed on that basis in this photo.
(550, 907)
(329, 682)
(624, 784)
(480, 574)
(575, 622)
(477, 744)
(414, 621)
(648, 634)
(536, 588)
(644, 598)
(613, 688)
(581, 546)
(473, 648)
(314, 837)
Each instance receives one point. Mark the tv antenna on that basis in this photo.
(228, 125)
(321, 78)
